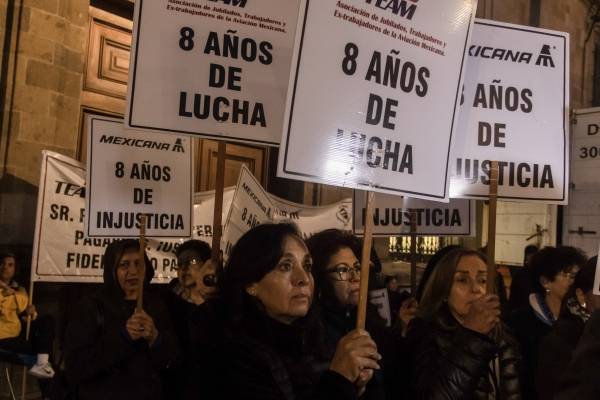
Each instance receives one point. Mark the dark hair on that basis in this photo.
(440, 283)
(586, 275)
(389, 278)
(254, 255)
(322, 246)
(530, 250)
(3, 256)
(550, 261)
(198, 246)
(431, 264)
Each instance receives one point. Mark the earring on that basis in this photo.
(547, 290)
(252, 292)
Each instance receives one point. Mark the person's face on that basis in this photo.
(286, 291)
(561, 284)
(393, 285)
(468, 285)
(129, 273)
(7, 269)
(343, 271)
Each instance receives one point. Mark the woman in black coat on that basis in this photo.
(111, 351)
(271, 331)
(459, 348)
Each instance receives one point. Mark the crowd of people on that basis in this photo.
(278, 321)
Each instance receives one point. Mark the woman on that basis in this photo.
(578, 305)
(553, 273)
(459, 348)
(336, 271)
(14, 311)
(271, 330)
(113, 351)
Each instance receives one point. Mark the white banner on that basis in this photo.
(585, 155)
(132, 173)
(208, 68)
(515, 111)
(392, 215)
(374, 105)
(597, 278)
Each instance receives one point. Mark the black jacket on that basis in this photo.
(581, 380)
(452, 362)
(555, 353)
(101, 360)
(264, 359)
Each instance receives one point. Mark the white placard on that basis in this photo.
(61, 252)
(374, 105)
(585, 153)
(131, 173)
(391, 216)
(211, 68)
(380, 299)
(515, 111)
(250, 207)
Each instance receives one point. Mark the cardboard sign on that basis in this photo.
(392, 216)
(61, 252)
(133, 173)
(250, 207)
(515, 111)
(374, 105)
(211, 68)
(380, 298)
(585, 153)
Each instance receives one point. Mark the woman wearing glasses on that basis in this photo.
(336, 270)
(553, 272)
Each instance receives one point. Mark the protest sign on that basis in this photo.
(61, 252)
(250, 207)
(585, 155)
(392, 216)
(515, 111)
(216, 69)
(597, 277)
(133, 173)
(364, 117)
(380, 299)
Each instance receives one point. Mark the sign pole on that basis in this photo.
(217, 217)
(413, 252)
(365, 264)
(491, 243)
(140, 290)
(27, 334)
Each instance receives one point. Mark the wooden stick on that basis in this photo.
(27, 334)
(491, 243)
(217, 217)
(413, 252)
(365, 264)
(140, 292)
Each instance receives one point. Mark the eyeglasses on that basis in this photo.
(344, 272)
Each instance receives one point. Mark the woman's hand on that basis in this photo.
(483, 315)
(141, 326)
(356, 357)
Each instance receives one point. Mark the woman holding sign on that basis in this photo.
(460, 349)
(112, 350)
(272, 333)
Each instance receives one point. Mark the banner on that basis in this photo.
(374, 106)
(585, 153)
(132, 173)
(392, 216)
(597, 277)
(514, 110)
(211, 68)
(62, 252)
